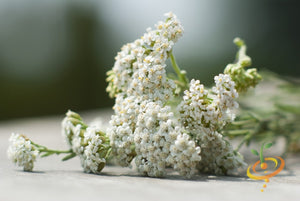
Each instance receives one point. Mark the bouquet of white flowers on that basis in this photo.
(159, 121)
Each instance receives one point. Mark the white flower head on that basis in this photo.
(196, 109)
(22, 152)
(71, 126)
(200, 109)
(202, 114)
(93, 158)
(160, 142)
(121, 128)
(218, 156)
(88, 142)
(139, 75)
(185, 155)
(139, 68)
(77, 142)
(225, 98)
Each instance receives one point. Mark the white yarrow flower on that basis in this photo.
(21, 151)
(88, 142)
(139, 75)
(144, 128)
(94, 155)
(160, 142)
(203, 114)
(218, 156)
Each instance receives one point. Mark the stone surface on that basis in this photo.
(56, 180)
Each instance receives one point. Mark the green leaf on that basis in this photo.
(47, 154)
(44, 155)
(72, 155)
(268, 145)
(254, 152)
(289, 108)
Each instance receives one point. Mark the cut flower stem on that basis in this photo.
(181, 74)
(47, 152)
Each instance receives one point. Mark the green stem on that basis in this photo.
(56, 151)
(244, 122)
(48, 152)
(237, 132)
(181, 74)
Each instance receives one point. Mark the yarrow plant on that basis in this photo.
(143, 125)
(87, 142)
(23, 151)
(147, 129)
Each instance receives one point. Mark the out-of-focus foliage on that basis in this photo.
(54, 53)
(270, 111)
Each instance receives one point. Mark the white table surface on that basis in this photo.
(56, 180)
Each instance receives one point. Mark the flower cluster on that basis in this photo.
(161, 142)
(203, 114)
(218, 156)
(121, 129)
(152, 124)
(225, 97)
(22, 152)
(185, 155)
(200, 108)
(88, 142)
(139, 68)
(139, 75)
(143, 126)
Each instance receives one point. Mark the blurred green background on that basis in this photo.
(54, 53)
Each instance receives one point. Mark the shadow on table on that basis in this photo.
(113, 171)
(173, 176)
